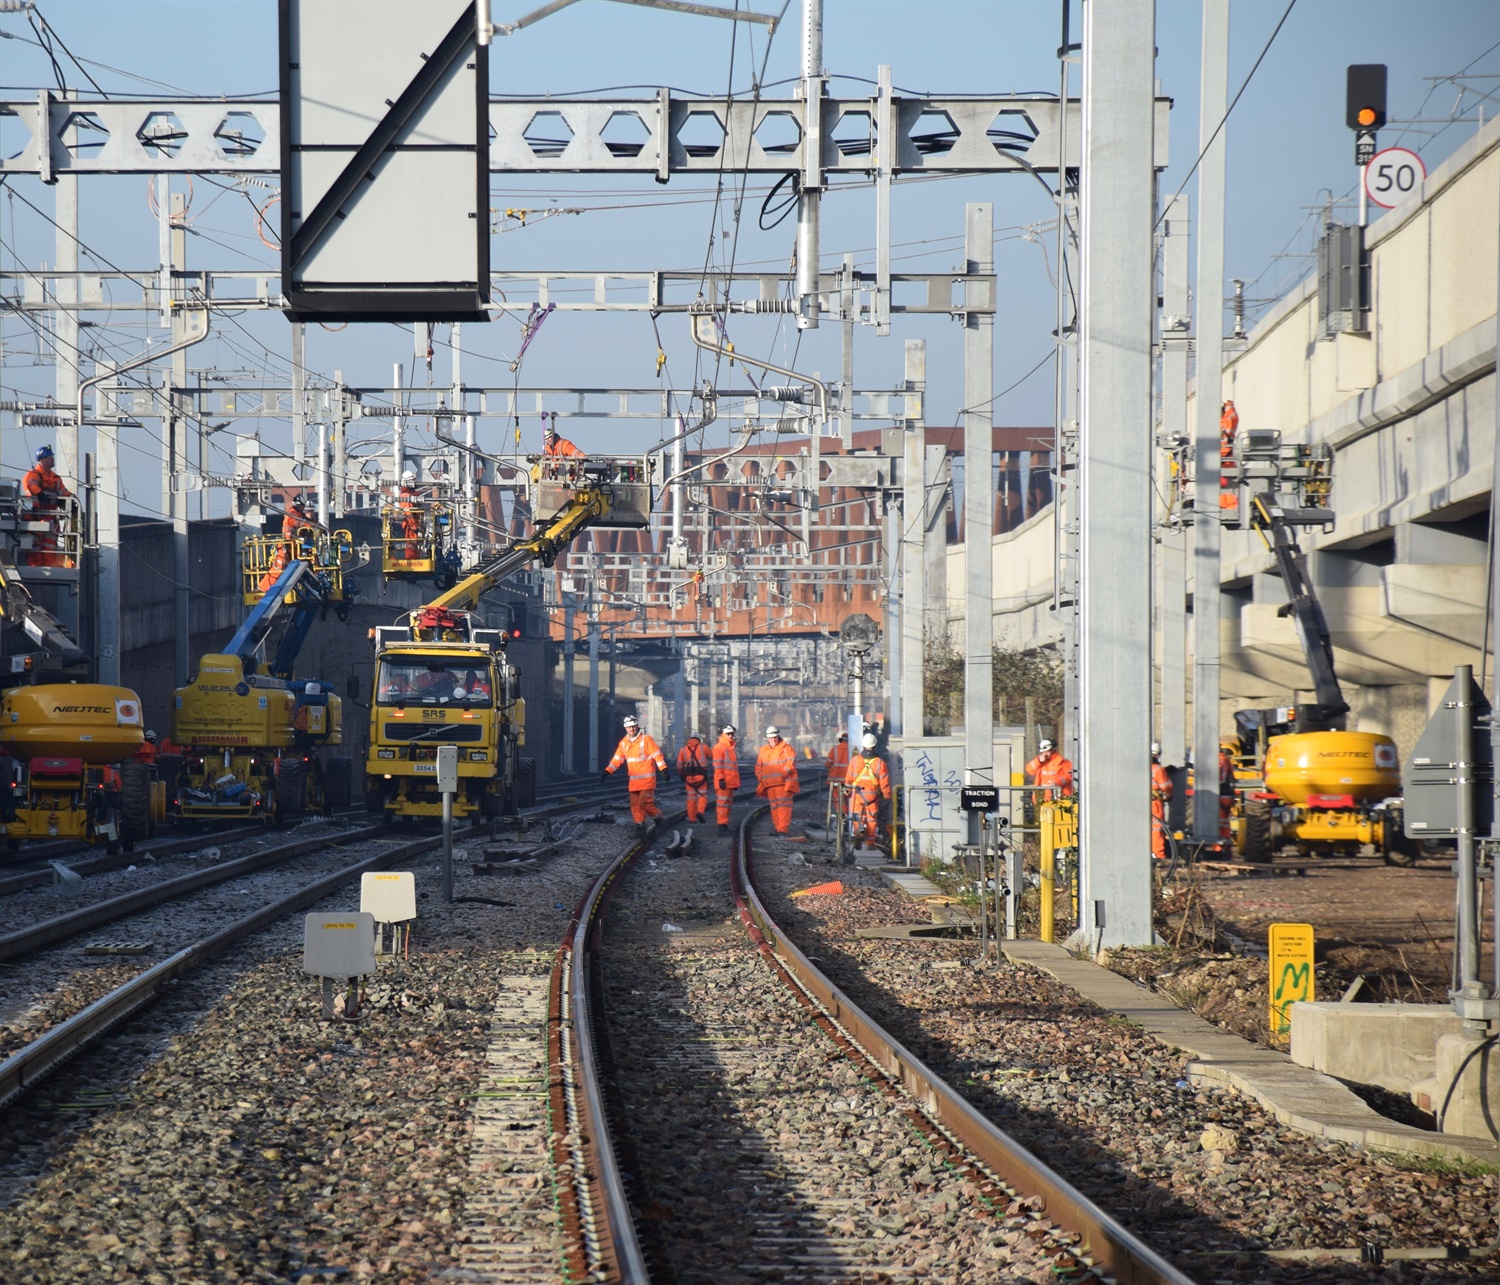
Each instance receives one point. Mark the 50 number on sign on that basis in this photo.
(1393, 175)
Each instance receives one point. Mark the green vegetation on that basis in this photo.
(1018, 675)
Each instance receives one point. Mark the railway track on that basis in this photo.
(27, 1065)
(741, 1078)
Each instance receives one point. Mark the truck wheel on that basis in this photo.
(526, 783)
(291, 787)
(1257, 849)
(338, 783)
(135, 802)
(1395, 847)
(374, 801)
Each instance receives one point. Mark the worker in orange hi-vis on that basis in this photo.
(776, 778)
(146, 753)
(1229, 423)
(693, 765)
(869, 782)
(726, 757)
(47, 491)
(1052, 771)
(640, 753)
(1161, 791)
(293, 520)
(552, 444)
(409, 510)
(1226, 793)
(836, 768)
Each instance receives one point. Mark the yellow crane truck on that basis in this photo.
(443, 679)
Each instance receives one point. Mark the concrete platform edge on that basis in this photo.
(1301, 1098)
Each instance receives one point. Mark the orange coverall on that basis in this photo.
(1161, 791)
(726, 776)
(1052, 770)
(46, 489)
(643, 756)
(411, 522)
(1229, 423)
(693, 765)
(776, 781)
(560, 446)
(869, 781)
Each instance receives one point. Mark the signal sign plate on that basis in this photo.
(1291, 952)
(1393, 175)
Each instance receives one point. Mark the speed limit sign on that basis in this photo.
(1393, 175)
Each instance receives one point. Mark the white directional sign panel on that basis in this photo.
(384, 161)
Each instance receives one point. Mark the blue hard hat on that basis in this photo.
(44, 452)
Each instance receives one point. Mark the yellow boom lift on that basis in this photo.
(442, 679)
(71, 740)
(251, 732)
(1302, 780)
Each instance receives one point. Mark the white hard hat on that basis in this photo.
(868, 742)
(631, 721)
(1045, 746)
(1155, 748)
(773, 730)
(410, 475)
(728, 729)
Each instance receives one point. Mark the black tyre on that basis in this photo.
(1395, 847)
(491, 804)
(291, 787)
(526, 783)
(338, 783)
(374, 801)
(1257, 847)
(135, 802)
(169, 771)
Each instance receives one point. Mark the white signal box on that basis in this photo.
(390, 896)
(339, 944)
(447, 769)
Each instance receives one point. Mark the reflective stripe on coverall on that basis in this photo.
(869, 781)
(693, 766)
(643, 757)
(726, 776)
(1161, 791)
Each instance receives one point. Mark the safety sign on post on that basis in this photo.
(1392, 175)
(1291, 949)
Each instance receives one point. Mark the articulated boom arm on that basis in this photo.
(43, 628)
(1302, 604)
(312, 598)
(586, 507)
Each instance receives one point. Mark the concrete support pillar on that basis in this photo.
(107, 528)
(1172, 532)
(175, 443)
(1117, 300)
(912, 552)
(567, 700)
(1209, 387)
(979, 499)
(594, 765)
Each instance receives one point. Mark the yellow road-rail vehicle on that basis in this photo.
(255, 736)
(67, 770)
(442, 678)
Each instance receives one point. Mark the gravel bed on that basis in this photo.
(50, 985)
(760, 1151)
(231, 1134)
(1207, 1177)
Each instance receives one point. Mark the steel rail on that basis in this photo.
(1105, 1244)
(595, 1207)
(98, 864)
(26, 940)
(28, 1065)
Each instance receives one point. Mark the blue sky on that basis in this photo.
(1288, 151)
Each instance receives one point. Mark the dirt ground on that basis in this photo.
(1390, 926)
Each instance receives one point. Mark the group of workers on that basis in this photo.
(698, 766)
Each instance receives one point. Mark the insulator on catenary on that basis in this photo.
(784, 393)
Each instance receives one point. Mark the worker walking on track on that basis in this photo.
(1052, 771)
(726, 775)
(1161, 791)
(643, 758)
(693, 766)
(776, 778)
(869, 782)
